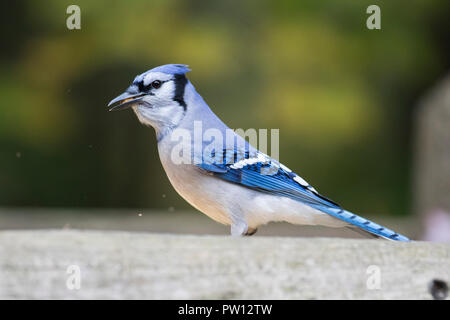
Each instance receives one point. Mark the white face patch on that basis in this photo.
(160, 110)
(159, 118)
(152, 76)
(162, 96)
(161, 106)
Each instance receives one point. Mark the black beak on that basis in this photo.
(125, 100)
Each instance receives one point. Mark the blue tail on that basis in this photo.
(362, 223)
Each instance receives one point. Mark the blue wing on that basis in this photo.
(258, 171)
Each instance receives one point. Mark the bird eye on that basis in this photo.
(156, 84)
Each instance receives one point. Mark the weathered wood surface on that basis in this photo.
(134, 265)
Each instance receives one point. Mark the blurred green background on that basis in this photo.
(342, 96)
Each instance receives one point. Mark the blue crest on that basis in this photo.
(171, 69)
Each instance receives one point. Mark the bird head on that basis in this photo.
(156, 96)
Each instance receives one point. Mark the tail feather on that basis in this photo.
(362, 223)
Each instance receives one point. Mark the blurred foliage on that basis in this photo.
(342, 95)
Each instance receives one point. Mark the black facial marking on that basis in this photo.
(149, 87)
(180, 84)
(141, 86)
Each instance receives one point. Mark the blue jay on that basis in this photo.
(235, 184)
